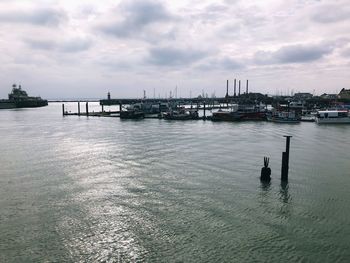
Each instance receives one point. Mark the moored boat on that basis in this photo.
(284, 117)
(333, 117)
(181, 114)
(132, 114)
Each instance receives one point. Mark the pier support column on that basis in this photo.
(63, 113)
(285, 160)
(78, 108)
(87, 109)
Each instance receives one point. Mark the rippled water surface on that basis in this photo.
(77, 189)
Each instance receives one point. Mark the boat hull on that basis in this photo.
(131, 115)
(345, 120)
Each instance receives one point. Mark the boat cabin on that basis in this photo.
(332, 114)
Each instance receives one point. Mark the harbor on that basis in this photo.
(160, 131)
(237, 107)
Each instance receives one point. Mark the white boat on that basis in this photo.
(333, 116)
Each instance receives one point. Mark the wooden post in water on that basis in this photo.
(120, 107)
(63, 113)
(78, 108)
(204, 111)
(266, 171)
(87, 109)
(285, 160)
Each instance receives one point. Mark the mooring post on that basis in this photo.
(63, 113)
(204, 111)
(285, 160)
(87, 109)
(120, 107)
(102, 108)
(266, 171)
(78, 108)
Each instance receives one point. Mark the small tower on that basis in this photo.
(109, 95)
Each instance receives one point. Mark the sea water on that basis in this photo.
(78, 189)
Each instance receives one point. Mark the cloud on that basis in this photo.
(221, 64)
(38, 16)
(346, 52)
(132, 17)
(170, 56)
(67, 46)
(332, 13)
(293, 54)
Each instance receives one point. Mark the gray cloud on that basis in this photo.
(293, 54)
(332, 13)
(40, 16)
(136, 16)
(346, 52)
(169, 56)
(221, 64)
(69, 46)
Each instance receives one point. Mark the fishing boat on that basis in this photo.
(221, 115)
(284, 117)
(333, 117)
(181, 114)
(308, 116)
(132, 112)
(242, 114)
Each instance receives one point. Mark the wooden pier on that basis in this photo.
(199, 104)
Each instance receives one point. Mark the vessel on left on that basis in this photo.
(19, 98)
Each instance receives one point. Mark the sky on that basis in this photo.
(83, 49)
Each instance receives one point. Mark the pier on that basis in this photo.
(198, 104)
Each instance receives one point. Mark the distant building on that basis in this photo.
(344, 94)
(303, 96)
(329, 96)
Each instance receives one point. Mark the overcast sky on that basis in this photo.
(72, 49)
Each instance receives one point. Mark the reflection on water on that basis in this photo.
(100, 189)
(284, 195)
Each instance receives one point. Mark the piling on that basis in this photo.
(102, 108)
(120, 107)
(204, 110)
(78, 108)
(87, 108)
(63, 113)
(285, 160)
(266, 171)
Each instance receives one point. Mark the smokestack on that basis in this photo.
(234, 94)
(239, 88)
(247, 87)
(227, 89)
